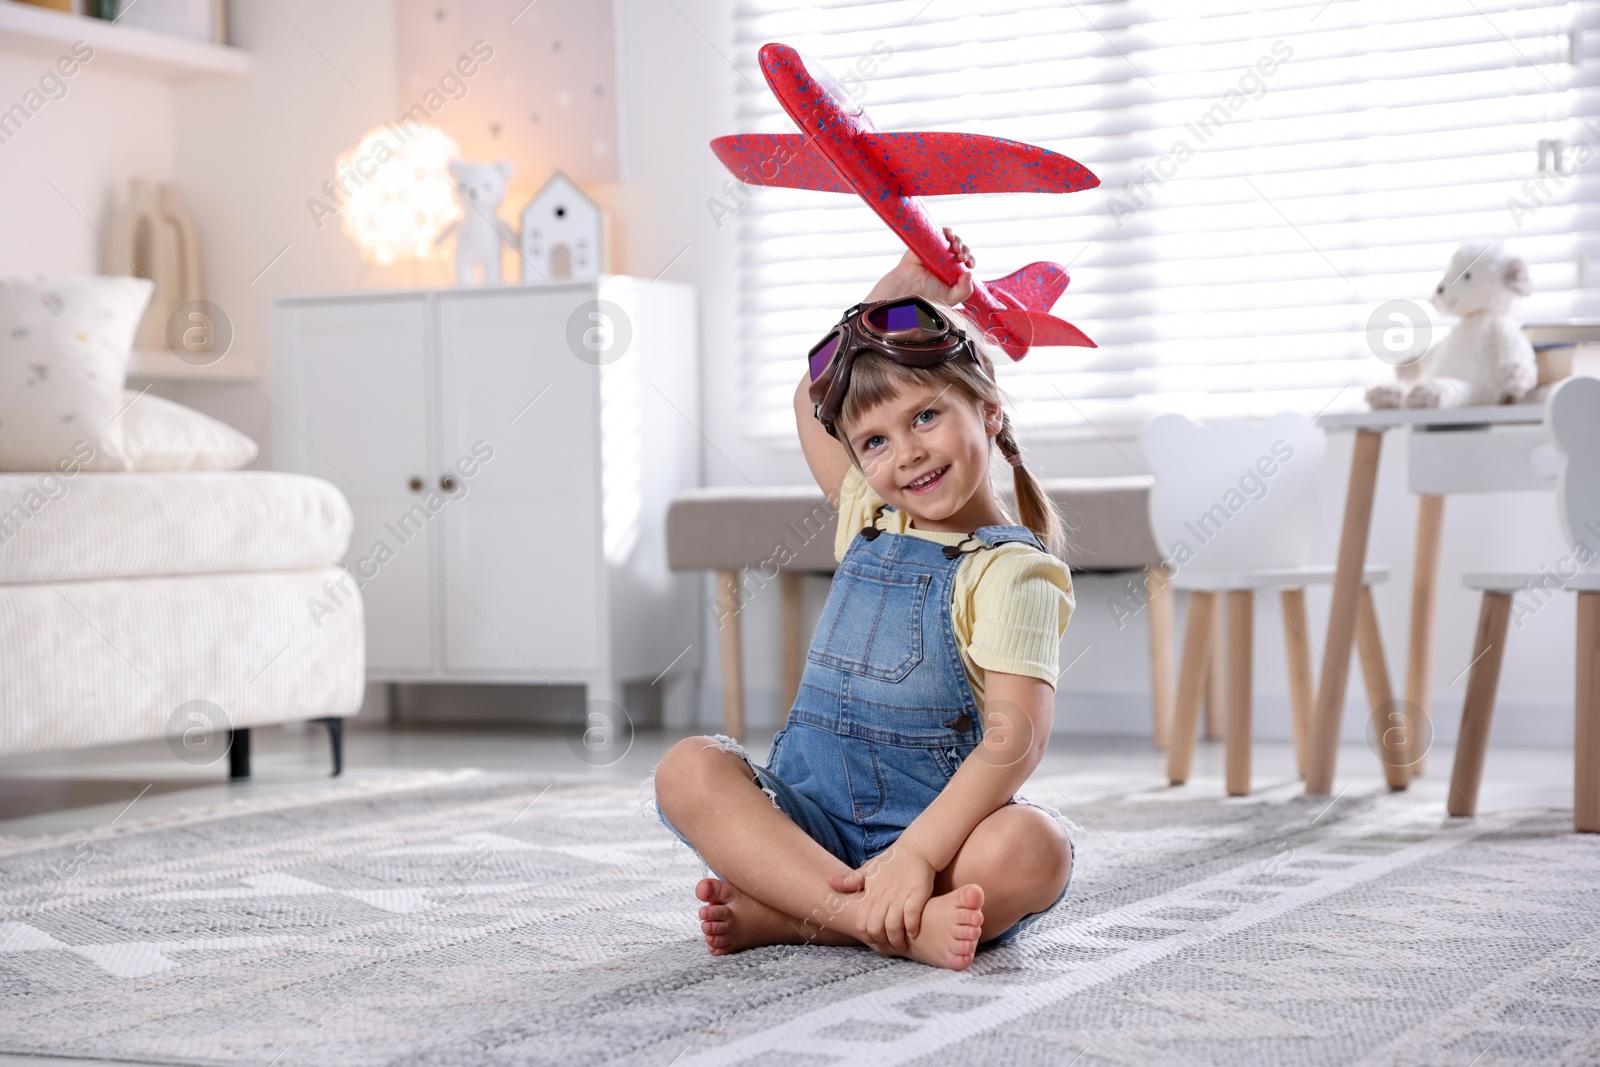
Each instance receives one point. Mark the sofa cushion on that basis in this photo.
(58, 526)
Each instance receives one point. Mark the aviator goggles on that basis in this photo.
(908, 330)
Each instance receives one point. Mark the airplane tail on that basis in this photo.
(1025, 328)
(1028, 295)
(1035, 287)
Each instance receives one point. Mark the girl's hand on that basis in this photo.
(911, 278)
(894, 886)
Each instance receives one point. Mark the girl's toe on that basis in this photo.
(716, 911)
(713, 890)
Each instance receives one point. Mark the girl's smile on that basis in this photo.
(927, 482)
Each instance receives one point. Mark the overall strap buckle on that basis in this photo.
(871, 530)
(952, 551)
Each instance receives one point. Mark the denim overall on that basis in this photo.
(885, 713)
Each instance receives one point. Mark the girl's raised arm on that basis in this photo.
(825, 456)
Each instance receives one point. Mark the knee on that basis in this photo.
(681, 775)
(1047, 854)
(677, 766)
(1059, 850)
(1032, 850)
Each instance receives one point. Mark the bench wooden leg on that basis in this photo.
(1159, 592)
(794, 643)
(1297, 643)
(1240, 605)
(1191, 677)
(1419, 652)
(1216, 676)
(1389, 721)
(1586, 754)
(728, 616)
(1478, 708)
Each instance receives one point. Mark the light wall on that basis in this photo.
(248, 153)
(57, 174)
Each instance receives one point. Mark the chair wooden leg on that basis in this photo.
(1159, 611)
(1478, 708)
(1216, 727)
(1297, 643)
(794, 649)
(728, 617)
(1191, 677)
(1586, 749)
(1419, 652)
(1241, 603)
(1389, 720)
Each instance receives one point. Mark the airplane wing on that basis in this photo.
(788, 160)
(939, 164)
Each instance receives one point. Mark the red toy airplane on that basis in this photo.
(841, 151)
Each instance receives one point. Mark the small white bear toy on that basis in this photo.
(1485, 358)
(480, 187)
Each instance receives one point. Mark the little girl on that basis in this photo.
(887, 814)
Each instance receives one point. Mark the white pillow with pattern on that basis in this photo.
(64, 343)
(160, 435)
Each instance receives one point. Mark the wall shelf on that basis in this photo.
(40, 31)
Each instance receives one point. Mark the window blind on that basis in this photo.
(1271, 172)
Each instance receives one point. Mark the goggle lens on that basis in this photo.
(823, 356)
(897, 318)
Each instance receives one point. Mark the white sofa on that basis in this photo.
(141, 605)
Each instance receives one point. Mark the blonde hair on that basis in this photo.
(875, 378)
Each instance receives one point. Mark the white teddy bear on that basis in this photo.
(1485, 358)
(480, 187)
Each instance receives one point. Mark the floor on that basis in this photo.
(44, 794)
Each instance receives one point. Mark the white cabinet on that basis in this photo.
(509, 454)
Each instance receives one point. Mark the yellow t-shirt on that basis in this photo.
(1010, 604)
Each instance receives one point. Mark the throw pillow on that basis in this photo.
(64, 343)
(159, 435)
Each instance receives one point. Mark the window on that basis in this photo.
(1270, 174)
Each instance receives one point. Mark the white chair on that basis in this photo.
(1572, 423)
(1234, 508)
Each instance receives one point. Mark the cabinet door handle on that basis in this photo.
(415, 484)
(447, 483)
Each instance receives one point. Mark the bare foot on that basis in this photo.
(951, 926)
(733, 921)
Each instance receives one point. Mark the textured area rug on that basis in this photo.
(490, 919)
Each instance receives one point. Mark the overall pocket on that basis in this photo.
(863, 780)
(872, 623)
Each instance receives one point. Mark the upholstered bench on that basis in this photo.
(783, 532)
